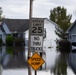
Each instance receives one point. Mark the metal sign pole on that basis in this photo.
(30, 22)
(36, 38)
(35, 72)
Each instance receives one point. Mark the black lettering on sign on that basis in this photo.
(36, 29)
(35, 59)
(32, 59)
(35, 63)
(37, 43)
(36, 38)
(36, 48)
(39, 29)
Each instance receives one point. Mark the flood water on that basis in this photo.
(15, 58)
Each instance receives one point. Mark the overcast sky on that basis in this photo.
(19, 9)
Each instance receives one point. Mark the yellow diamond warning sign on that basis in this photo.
(35, 61)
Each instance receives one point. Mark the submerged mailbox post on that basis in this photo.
(36, 43)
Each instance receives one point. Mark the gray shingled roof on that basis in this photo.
(19, 25)
(70, 28)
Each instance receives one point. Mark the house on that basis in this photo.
(19, 28)
(50, 40)
(72, 61)
(15, 27)
(72, 32)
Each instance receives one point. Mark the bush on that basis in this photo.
(19, 42)
(9, 50)
(9, 40)
(64, 46)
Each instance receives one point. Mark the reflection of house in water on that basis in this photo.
(72, 61)
(60, 67)
(13, 58)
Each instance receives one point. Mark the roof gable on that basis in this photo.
(19, 25)
(51, 22)
(71, 27)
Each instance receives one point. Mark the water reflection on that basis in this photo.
(72, 61)
(57, 63)
(13, 57)
(60, 67)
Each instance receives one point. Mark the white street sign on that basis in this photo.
(36, 43)
(37, 34)
(37, 27)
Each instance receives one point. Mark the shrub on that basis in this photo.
(64, 46)
(9, 40)
(19, 41)
(9, 50)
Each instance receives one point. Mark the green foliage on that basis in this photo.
(19, 41)
(64, 46)
(9, 50)
(9, 40)
(1, 17)
(59, 16)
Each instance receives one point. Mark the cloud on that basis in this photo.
(14, 1)
(15, 8)
(62, 2)
(41, 8)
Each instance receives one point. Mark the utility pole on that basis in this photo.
(29, 40)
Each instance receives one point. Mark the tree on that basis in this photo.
(59, 16)
(1, 17)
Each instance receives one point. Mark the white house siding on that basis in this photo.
(27, 33)
(26, 37)
(2, 36)
(50, 34)
(6, 28)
